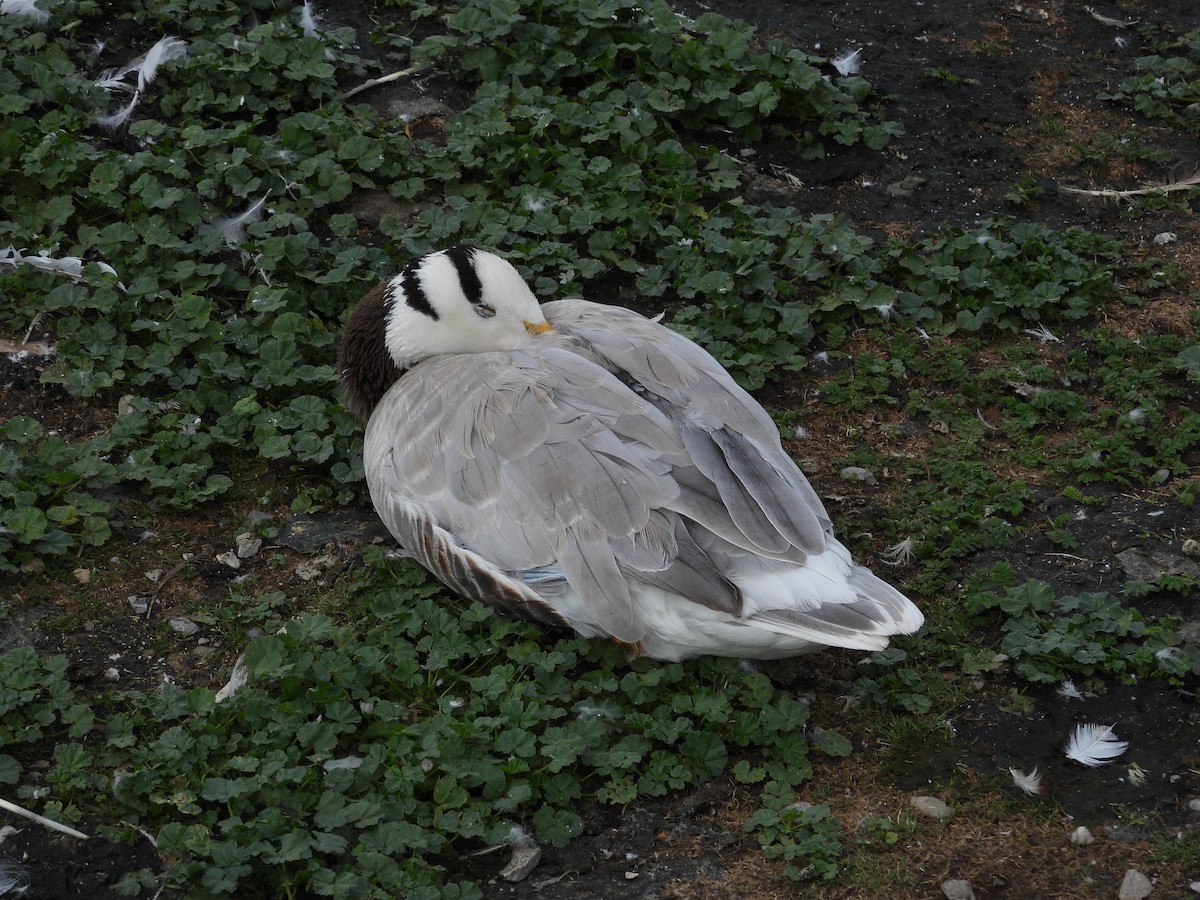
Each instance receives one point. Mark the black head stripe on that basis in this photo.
(463, 258)
(413, 292)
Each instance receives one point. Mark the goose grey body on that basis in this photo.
(584, 466)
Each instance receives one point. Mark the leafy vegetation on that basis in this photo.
(220, 244)
(1167, 82)
(354, 761)
(1050, 637)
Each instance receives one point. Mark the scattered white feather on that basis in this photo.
(1094, 745)
(14, 880)
(27, 8)
(519, 837)
(1068, 691)
(233, 229)
(849, 63)
(901, 553)
(70, 266)
(115, 120)
(308, 20)
(168, 48)
(1043, 334)
(1136, 774)
(1030, 783)
(237, 678)
(145, 69)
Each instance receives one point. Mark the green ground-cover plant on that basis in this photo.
(1050, 637)
(1167, 82)
(221, 203)
(359, 759)
(597, 146)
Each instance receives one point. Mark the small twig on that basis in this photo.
(1105, 20)
(375, 82)
(37, 320)
(1183, 184)
(41, 820)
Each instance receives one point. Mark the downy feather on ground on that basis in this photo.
(27, 8)
(1094, 745)
(145, 70)
(69, 266)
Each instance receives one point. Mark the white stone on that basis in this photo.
(1081, 837)
(932, 807)
(184, 626)
(247, 544)
(858, 473)
(1135, 886)
(229, 558)
(958, 889)
(524, 860)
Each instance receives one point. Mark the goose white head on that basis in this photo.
(460, 300)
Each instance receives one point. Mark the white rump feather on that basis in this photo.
(1094, 745)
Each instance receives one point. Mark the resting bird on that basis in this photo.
(583, 466)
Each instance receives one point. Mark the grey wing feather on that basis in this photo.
(728, 435)
(476, 487)
(463, 571)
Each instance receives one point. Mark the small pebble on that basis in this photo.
(247, 544)
(111, 674)
(83, 576)
(932, 807)
(858, 473)
(1135, 886)
(138, 604)
(1165, 237)
(1191, 547)
(524, 860)
(184, 626)
(958, 889)
(229, 558)
(1194, 804)
(1081, 837)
